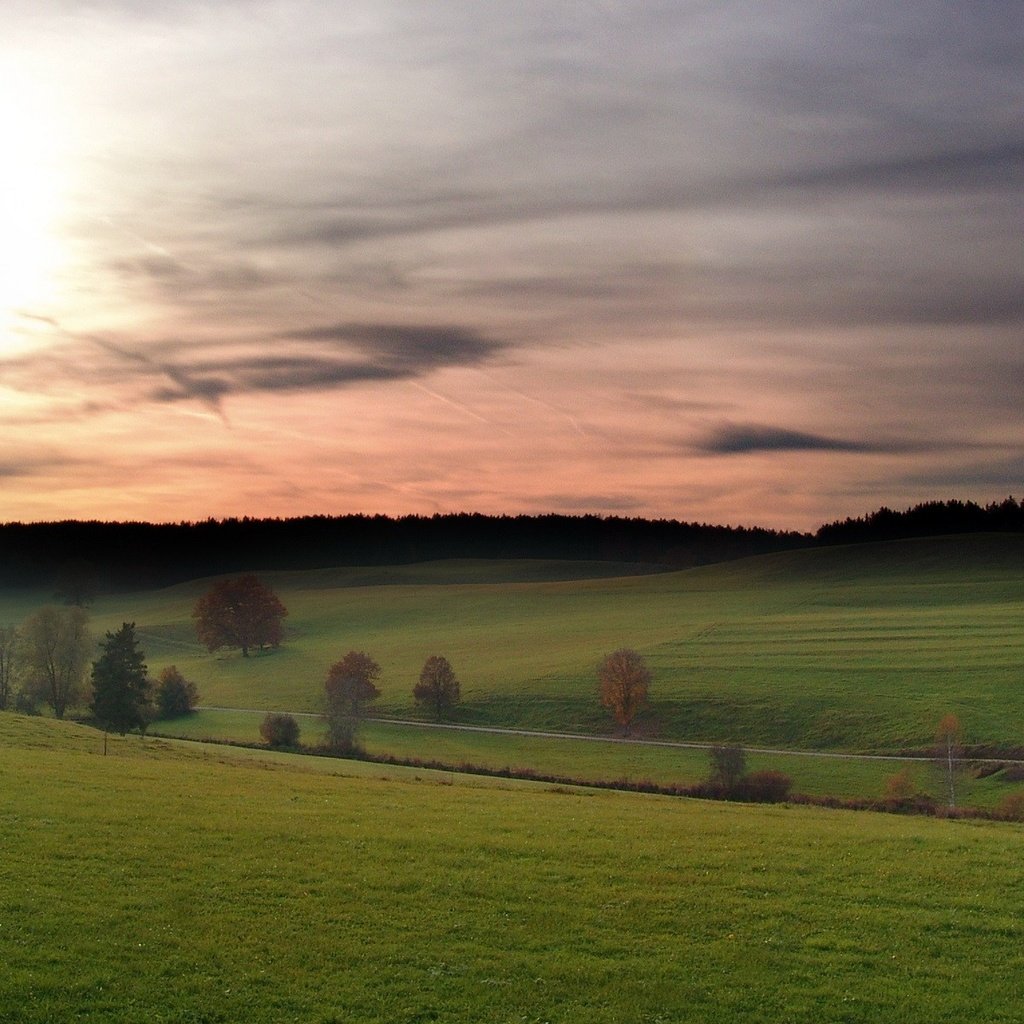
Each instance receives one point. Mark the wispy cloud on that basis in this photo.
(627, 220)
(748, 438)
(306, 360)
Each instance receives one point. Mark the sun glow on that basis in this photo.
(31, 198)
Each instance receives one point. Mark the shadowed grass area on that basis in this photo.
(181, 884)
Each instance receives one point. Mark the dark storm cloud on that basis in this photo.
(743, 439)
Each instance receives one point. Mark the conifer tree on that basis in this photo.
(120, 683)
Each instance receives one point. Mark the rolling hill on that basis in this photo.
(182, 884)
(860, 647)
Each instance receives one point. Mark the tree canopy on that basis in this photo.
(10, 641)
(624, 681)
(175, 695)
(240, 612)
(437, 688)
(55, 652)
(121, 697)
(351, 683)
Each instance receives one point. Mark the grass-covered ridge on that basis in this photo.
(174, 884)
(863, 647)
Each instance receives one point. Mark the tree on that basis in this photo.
(241, 613)
(949, 749)
(77, 583)
(624, 679)
(9, 640)
(175, 695)
(120, 683)
(349, 685)
(350, 682)
(438, 688)
(728, 765)
(55, 651)
(279, 730)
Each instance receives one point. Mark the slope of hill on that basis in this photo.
(860, 647)
(161, 883)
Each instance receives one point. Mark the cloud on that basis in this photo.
(34, 464)
(1002, 475)
(411, 350)
(344, 354)
(1001, 164)
(743, 439)
(309, 359)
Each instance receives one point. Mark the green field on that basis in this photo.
(862, 647)
(856, 648)
(590, 760)
(174, 883)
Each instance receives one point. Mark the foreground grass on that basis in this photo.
(590, 760)
(857, 648)
(167, 884)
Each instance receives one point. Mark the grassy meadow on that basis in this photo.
(602, 760)
(861, 647)
(174, 883)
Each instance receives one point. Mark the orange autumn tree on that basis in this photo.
(624, 680)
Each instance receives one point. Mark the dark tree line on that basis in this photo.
(929, 519)
(147, 554)
(80, 557)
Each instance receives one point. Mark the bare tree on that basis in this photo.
(9, 640)
(55, 650)
(949, 751)
(624, 680)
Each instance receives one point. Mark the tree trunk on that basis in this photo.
(949, 769)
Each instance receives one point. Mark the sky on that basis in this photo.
(732, 262)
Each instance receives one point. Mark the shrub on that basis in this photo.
(279, 730)
(175, 695)
(899, 786)
(765, 787)
(25, 703)
(1012, 807)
